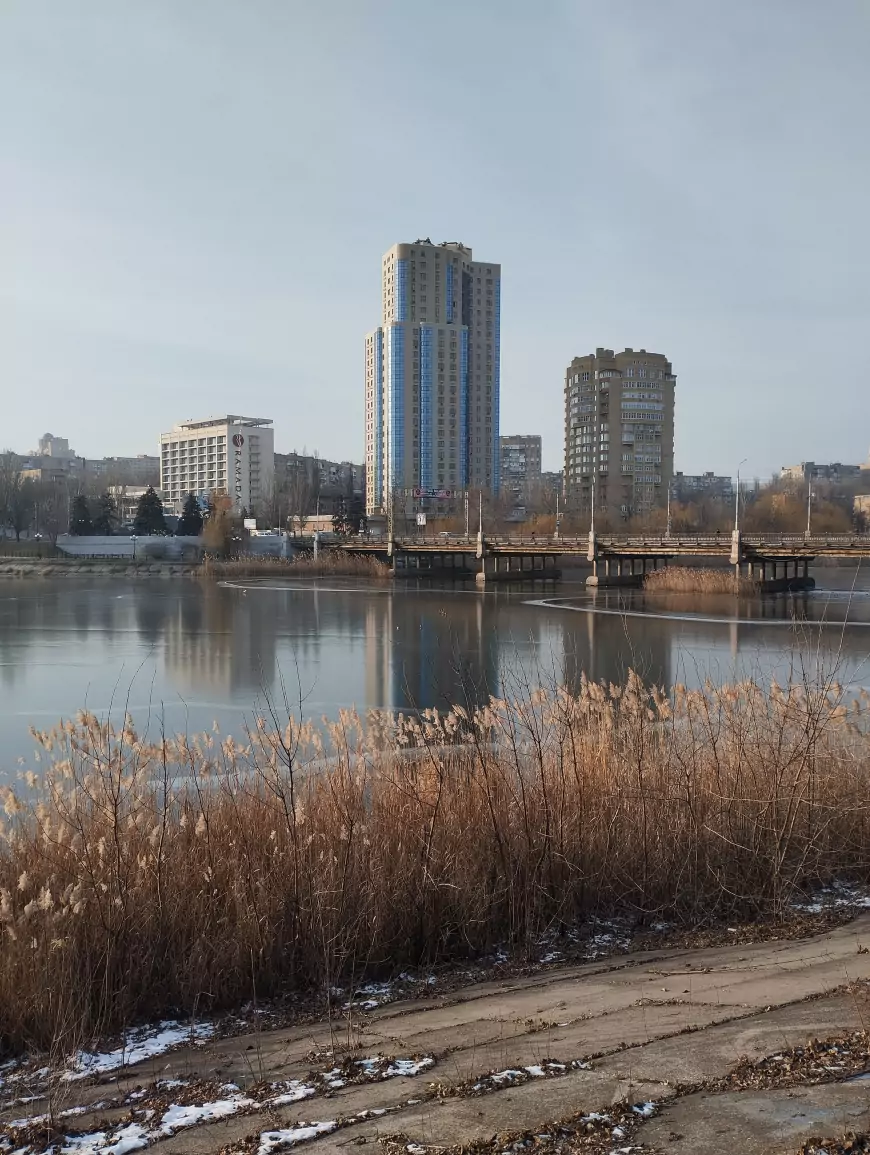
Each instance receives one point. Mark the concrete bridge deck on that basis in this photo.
(625, 558)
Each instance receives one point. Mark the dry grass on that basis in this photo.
(141, 879)
(330, 563)
(688, 580)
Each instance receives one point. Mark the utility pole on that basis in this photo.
(592, 525)
(737, 498)
(809, 506)
(668, 529)
(466, 513)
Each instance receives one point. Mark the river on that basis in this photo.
(183, 653)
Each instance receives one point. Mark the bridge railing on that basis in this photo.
(647, 541)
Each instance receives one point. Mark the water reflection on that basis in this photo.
(200, 650)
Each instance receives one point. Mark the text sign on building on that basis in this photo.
(238, 442)
(438, 494)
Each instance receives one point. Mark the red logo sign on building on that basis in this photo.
(238, 440)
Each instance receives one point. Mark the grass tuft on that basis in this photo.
(689, 580)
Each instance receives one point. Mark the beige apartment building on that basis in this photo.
(619, 431)
(520, 466)
(232, 455)
(432, 376)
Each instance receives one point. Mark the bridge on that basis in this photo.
(775, 561)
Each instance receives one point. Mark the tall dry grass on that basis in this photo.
(141, 879)
(688, 580)
(329, 563)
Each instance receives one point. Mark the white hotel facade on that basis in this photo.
(233, 455)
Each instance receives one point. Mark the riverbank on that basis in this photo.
(750, 1046)
(93, 567)
(325, 566)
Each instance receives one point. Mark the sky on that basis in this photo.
(195, 196)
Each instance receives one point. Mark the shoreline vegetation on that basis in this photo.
(692, 580)
(329, 563)
(144, 879)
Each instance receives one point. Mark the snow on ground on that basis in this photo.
(139, 1044)
(834, 897)
(408, 1067)
(522, 1074)
(289, 1136)
(645, 1110)
(290, 1092)
(135, 1136)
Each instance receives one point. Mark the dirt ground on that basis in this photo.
(508, 1058)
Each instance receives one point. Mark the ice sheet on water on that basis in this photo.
(290, 1136)
(139, 1044)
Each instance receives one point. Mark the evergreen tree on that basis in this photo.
(149, 515)
(340, 522)
(107, 515)
(190, 522)
(80, 524)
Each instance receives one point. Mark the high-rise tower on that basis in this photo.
(432, 374)
(619, 431)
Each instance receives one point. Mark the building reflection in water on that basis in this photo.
(222, 641)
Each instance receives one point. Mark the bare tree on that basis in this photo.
(51, 509)
(16, 495)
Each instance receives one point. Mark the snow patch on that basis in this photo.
(139, 1045)
(290, 1136)
(292, 1092)
(645, 1110)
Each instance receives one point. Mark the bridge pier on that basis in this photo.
(778, 574)
(516, 567)
(627, 570)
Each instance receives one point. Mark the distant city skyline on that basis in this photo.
(193, 205)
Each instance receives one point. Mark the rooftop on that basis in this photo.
(228, 419)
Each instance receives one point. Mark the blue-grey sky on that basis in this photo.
(195, 196)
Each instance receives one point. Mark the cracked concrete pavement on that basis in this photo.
(651, 1021)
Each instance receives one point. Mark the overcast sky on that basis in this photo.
(195, 196)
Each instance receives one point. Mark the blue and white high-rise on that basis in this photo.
(432, 376)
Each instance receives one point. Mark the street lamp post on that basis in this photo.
(668, 526)
(133, 539)
(809, 506)
(737, 498)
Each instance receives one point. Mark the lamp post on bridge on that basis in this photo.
(737, 498)
(809, 507)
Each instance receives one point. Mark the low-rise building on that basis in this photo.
(810, 471)
(126, 498)
(687, 487)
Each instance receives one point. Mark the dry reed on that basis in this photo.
(329, 563)
(688, 580)
(139, 879)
